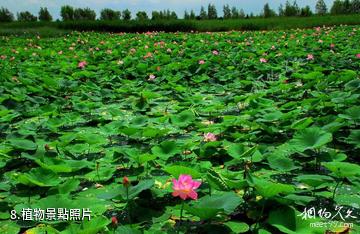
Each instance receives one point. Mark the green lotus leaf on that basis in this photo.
(343, 169)
(166, 149)
(183, 119)
(293, 223)
(314, 180)
(209, 206)
(23, 144)
(59, 165)
(354, 138)
(310, 138)
(39, 177)
(237, 227)
(93, 226)
(352, 113)
(176, 171)
(281, 163)
(270, 189)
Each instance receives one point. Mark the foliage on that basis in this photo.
(268, 12)
(321, 8)
(57, 28)
(212, 13)
(227, 12)
(84, 14)
(345, 7)
(203, 15)
(306, 11)
(44, 15)
(290, 9)
(141, 16)
(126, 14)
(26, 16)
(67, 13)
(109, 14)
(6, 15)
(166, 15)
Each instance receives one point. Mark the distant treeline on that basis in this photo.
(69, 13)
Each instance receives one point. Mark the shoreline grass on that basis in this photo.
(277, 23)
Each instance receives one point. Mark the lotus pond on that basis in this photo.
(233, 132)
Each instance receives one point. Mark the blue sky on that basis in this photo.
(148, 5)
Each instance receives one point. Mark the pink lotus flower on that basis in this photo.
(332, 45)
(358, 56)
(82, 64)
(185, 187)
(209, 137)
(262, 60)
(215, 52)
(152, 77)
(201, 62)
(310, 57)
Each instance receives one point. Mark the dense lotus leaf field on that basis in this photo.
(261, 126)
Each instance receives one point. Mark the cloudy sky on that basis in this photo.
(148, 5)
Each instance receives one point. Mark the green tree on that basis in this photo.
(166, 14)
(291, 9)
(44, 15)
(109, 14)
(173, 15)
(126, 14)
(320, 7)
(227, 11)
(26, 16)
(306, 11)
(67, 13)
(155, 15)
(241, 14)
(203, 14)
(355, 6)
(234, 13)
(268, 12)
(192, 15)
(186, 15)
(212, 13)
(337, 8)
(281, 10)
(141, 16)
(84, 14)
(6, 15)
(347, 7)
